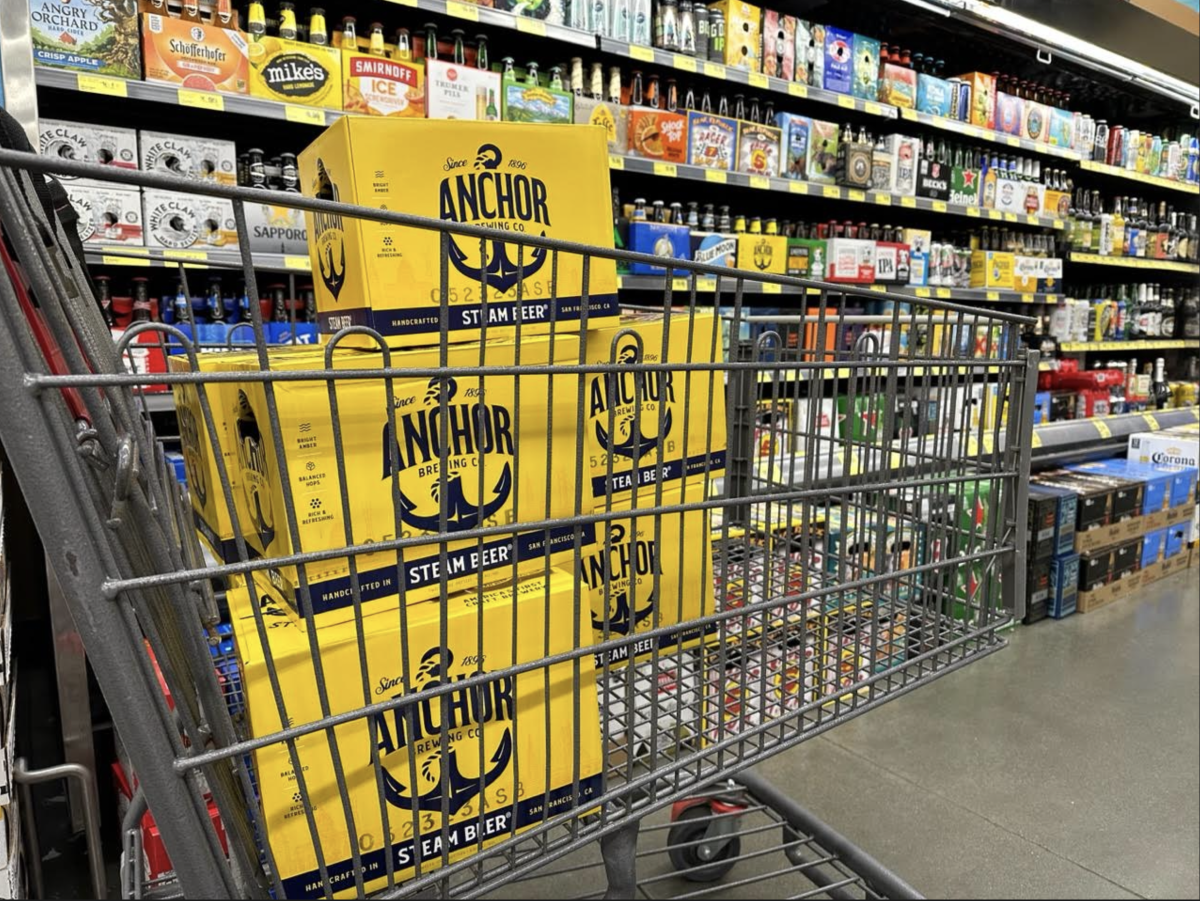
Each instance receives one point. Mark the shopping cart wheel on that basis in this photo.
(701, 846)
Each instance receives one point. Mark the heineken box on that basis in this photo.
(712, 141)
(806, 257)
(512, 178)
(468, 768)
(660, 239)
(296, 72)
(964, 186)
(504, 449)
(521, 102)
(714, 248)
(612, 117)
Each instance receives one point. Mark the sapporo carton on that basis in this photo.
(507, 440)
(680, 432)
(523, 728)
(296, 72)
(509, 177)
(375, 86)
(650, 571)
(194, 53)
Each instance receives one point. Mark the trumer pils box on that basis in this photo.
(513, 745)
(512, 178)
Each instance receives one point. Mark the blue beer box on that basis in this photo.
(1152, 546)
(794, 131)
(839, 60)
(1041, 407)
(1065, 511)
(935, 95)
(1177, 536)
(865, 67)
(660, 239)
(1064, 585)
(1156, 482)
(714, 248)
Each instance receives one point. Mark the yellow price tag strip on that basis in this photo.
(1051, 298)
(923, 292)
(460, 10)
(972, 132)
(531, 26)
(102, 84)
(615, 161)
(124, 261)
(1027, 298)
(1151, 421)
(880, 288)
(797, 90)
(1102, 428)
(973, 211)
(706, 284)
(873, 108)
(943, 293)
(185, 255)
(993, 295)
(995, 214)
(1058, 223)
(1010, 217)
(907, 113)
(714, 70)
(305, 114)
(717, 175)
(1032, 220)
(299, 263)
(860, 196)
(758, 80)
(882, 199)
(679, 284)
(832, 191)
(910, 202)
(772, 288)
(620, 281)
(845, 102)
(762, 182)
(412, 3)
(684, 63)
(797, 187)
(939, 206)
(1036, 439)
(645, 54)
(668, 169)
(209, 100)
(1014, 141)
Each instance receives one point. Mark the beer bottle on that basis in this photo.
(490, 113)
(755, 111)
(243, 169)
(279, 308)
(706, 102)
(772, 227)
(723, 222)
(693, 214)
(289, 173)
(275, 180)
(256, 20)
(677, 214)
(739, 224)
(723, 106)
(576, 76)
(708, 222)
(596, 82)
(287, 21)
(310, 303)
(104, 298)
(182, 307)
(403, 43)
(431, 51)
(556, 81)
(141, 299)
(224, 12)
(653, 93)
(672, 95)
(635, 89)
(245, 313)
(689, 99)
(614, 85)
(739, 106)
(660, 212)
(256, 169)
(215, 303)
(349, 33)
(639, 210)
(509, 70)
(531, 74)
(756, 226)
(481, 52)
(318, 31)
(769, 112)
(460, 47)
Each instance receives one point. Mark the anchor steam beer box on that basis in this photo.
(501, 756)
(679, 432)
(517, 179)
(507, 438)
(650, 571)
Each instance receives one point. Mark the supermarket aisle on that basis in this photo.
(1064, 766)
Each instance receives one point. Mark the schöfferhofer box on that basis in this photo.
(516, 179)
(513, 744)
(678, 434)
(506, 448)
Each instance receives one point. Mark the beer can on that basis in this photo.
(1133, 143)
(1085, 133)
(1115, 156)
(1100, 143)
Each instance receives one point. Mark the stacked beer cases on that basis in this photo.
(1052, 582)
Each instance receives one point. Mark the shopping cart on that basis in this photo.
(859, 531)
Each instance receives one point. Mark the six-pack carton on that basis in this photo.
(183, 46)
(296, 72)
(511, 178)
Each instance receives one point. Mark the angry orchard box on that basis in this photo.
(87, 36)
(511, 178)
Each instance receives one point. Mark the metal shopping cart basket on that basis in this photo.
(847, 525)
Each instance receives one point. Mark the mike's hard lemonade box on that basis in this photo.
(514, 179)
(649, 426)
(457, 772)
(503, 441)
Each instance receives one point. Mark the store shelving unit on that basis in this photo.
(1071, 347)
(1095, 259)
(1073, 439)
(1140, 178)
(120, 255)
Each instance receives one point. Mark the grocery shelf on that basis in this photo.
(626, 163)
(485, 15)
(729, 286)
(990, 135)
(1133, 263)
(120, 255)
(1154, 344)
(1156, 180)
(1054, 441)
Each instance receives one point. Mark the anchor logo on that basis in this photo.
(440, 766)
(620, 622)
(334, 277)
(328, 228)
(633, 444)
(253, 457)
(461, 514)
(495, 268)
(196, 476)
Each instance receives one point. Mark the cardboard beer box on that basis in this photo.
(650, 571)
(186, 48)
(806, 258)
(934, 96)
(203, 159)
(1056, 203)
(108, 213)
(490, 478)
(892, 263)
(712, 141)
(100, 39)
(1062, 128)
(521, 102)
(852, 546)
(779, 45)
(660, 239)
(376, 86)
(898, 86)
(905, 152)
(276, 229)
(1036, 122)
(855, 164)
(983, 98)
(714, 248)
(1010, 113)
(612, 117)
(866, 67)
(816, 74)
(838, 71)
(296, 72)
(510, 177)
(991, 269)
(882, 178)
(503, 726)
(794, 139)
(762, 253)
(658, 135)
(805, 51)
(933, 179)
(964, 186)
(1022, 197)
(183, 221)
(679, 436)
(743, 34)
(823, 152)
(851, 260)
(758, 149)
(103, 145)
(461, 92)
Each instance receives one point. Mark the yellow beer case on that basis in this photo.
(513, 178)
(506, 441)
(509, 759)
(680, 432)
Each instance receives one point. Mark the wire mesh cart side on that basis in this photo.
(588, 576)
